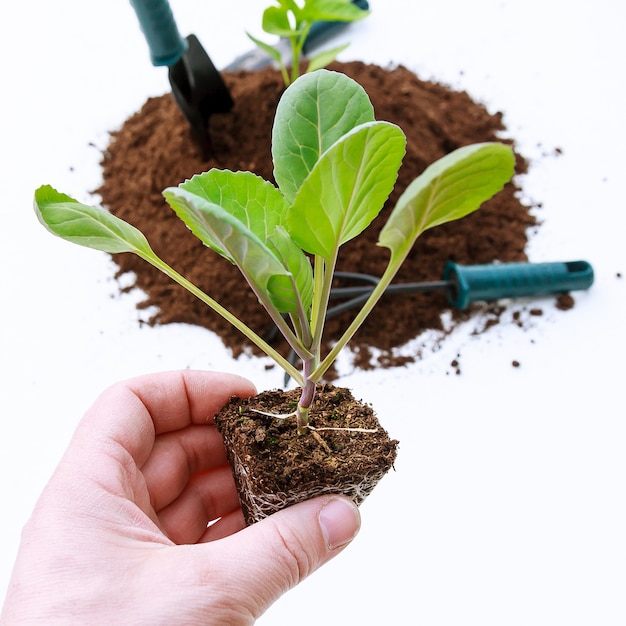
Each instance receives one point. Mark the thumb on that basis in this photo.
(273, 555)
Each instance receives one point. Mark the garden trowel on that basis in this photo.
(197, 86)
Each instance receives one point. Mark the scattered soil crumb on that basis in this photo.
(564, 302)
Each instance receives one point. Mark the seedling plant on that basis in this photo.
(293, 21)
(334, 167)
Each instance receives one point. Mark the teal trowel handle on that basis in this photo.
(158, 25)
(514, 280)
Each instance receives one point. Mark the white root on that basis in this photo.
(284, 416)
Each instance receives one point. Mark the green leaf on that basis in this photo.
(313, 113)
(333, 10)
(291, 5)
(298, 265)
(449, 189)
(347, 188)
(86, 225)
(231, 237)
(324, 58)
(271, 50)
(253, 201)
(276, 22)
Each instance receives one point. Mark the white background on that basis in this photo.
(508, 503)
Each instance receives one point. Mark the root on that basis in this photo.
(284, 416)
(278, 416)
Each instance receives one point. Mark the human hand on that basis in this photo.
(122, 533)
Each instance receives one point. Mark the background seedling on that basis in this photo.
(292, 21)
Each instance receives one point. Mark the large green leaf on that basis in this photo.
(224, 232)
(255, 202)
(449, 189)
(313, 113)
(347, 188)
(86, 225)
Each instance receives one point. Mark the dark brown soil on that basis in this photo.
(153, 150)
(275, 467)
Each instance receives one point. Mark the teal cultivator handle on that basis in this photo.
(514, 280)
(468, 283)
(160, 30)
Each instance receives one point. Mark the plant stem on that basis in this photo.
(306, 398)
(323, 286)
(297, 44)
(293, 339)
(226, 314)
(284, 74)
(296, 49)
(376, 294)
(318, 281)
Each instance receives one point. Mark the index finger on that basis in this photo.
(133, 412)
(176, 399)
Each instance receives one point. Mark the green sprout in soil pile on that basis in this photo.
(293, 22)
(335, 166)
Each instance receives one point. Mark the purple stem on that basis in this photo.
(306, 398)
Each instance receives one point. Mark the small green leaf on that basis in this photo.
(86, 225)
(324, 58)
(291, 5)
(271, 50)
(276, 22)
(219, 229)
(333, 10)
(449, 189)
(313, 113)
(347, 188)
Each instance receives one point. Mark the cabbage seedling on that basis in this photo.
(292, 23)
(335, 166)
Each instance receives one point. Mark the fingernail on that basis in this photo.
(340, 522)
